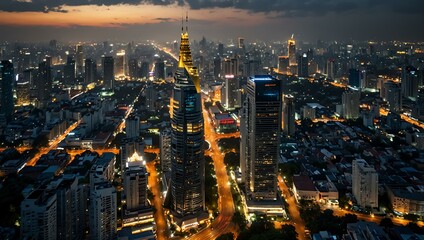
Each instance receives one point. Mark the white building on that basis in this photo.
(39, 216)
(135, 184)
(364, 183)
(165, 150)
(103, 213)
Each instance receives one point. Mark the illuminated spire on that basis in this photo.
(185, 59)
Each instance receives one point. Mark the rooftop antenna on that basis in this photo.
(182, 22)
(292, 35)
(186, 21)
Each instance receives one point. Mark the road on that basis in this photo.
(222, 223)
(293, 209)
(53, 144)
(160, 220)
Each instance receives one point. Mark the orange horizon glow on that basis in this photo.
(122, 15)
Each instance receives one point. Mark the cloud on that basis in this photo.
(162, 19)
(282, 8)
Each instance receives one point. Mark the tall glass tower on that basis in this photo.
(261, 137)
(187, 139)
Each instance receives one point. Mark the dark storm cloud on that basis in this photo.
(285, 8)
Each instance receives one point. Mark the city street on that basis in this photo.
(293, 209)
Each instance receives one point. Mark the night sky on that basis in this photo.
(125, 20)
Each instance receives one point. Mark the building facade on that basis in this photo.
(364, 184)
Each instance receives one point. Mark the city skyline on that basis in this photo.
(27, 20)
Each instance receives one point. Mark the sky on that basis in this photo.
(217, 20)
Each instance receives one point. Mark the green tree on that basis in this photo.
(288, 232)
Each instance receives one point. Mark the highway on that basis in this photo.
(223, 223)
(293, 209)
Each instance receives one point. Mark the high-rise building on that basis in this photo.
(120, 64)
(230, 93)
(216, 67)
(393, 96)
(283, 64)
(90, 71)
(289, 126)
(69, 71)
(354, 78)
(364, 183)
(129, 147)
(44, 82)
(108, 72)
(6, 88)
(151, 97)
(79, 64)
(165, 150)
(292, 51)
(133, 68)
(220, 49)
(144, 70)
(409, 82)
(241, 43)
(302, 66)
(39, 216)
(331, 68)
(132, 127)
(350, 104)
(135, 185)
(230, 66)
(22, 92)
(263, 127)
(187, 199)
(159, 69)
(103, 215)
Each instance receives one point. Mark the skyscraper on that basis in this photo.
(6, 87)
(22, 92)
(283, 65)
(350, 104)
(292, 51)
(160, 69)
(364, 183)
(187, 199)
(79, 66)
(108, 72)
(410, 82)
(393, 96)
(151, 96)
(90, 71)
(354, 78)
(132, 126)
(133, 68)
(231, 95)
(120, 64)
(69, 71)
(102, 211)
(263, 127)
(44, 82)
(302, 66)
(331, 69)
(289, 127)
(135, 185)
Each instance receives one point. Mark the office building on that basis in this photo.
(283, 65)
(159, 69)
(135, 186)
(44, 82)
(302, 66)
(354, 78)
(241, 43)
(289, 127)
(217, 67)
(79, 64)
(165, 150)
(220, 49)
(90, 71)
(393, 96)
(350, 104)
(132, 127)
(230, 66)
(263, 127)
(6, 88)
(187, 185)
(108, 73)
(151, 96)
(364, 184)
(133, 69)
(144, 70)
(409, 82)
(39, 216)
(69, 71)
(120, 65)
(292, 51)
(103, 215)
(129, 147)
(331, 69)
(230, 92)
(22, 93)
